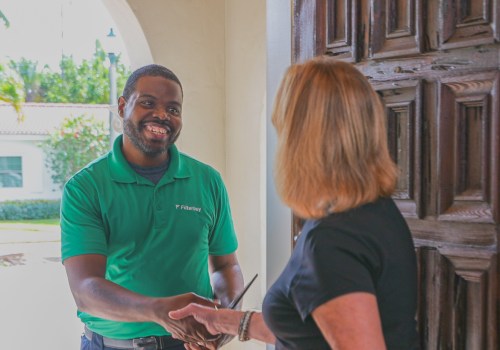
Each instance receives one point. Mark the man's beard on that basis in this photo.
(150, 149)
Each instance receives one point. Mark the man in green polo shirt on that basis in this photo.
(147, 229)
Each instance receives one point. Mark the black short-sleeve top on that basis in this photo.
(366, 249)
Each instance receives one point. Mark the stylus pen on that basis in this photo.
(237, 299)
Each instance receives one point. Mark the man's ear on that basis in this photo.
(121, 106)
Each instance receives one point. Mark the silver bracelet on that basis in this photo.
(244, 324)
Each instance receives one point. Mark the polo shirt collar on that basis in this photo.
(121, 171)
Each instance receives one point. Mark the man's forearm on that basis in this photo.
(102, 298)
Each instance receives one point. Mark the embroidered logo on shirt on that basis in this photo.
(187, 208)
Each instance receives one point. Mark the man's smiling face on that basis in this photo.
(152, 115)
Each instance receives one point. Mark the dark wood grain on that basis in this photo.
(436, 65)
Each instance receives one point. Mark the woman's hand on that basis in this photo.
(224, 321)
(216, 320)
(187, 328)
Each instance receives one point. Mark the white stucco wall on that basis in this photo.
(278, 217)
(245, 140)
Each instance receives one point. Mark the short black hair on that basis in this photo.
(151, 70)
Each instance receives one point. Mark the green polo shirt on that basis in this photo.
(157, 238)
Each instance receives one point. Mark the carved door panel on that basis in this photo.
(436, 66)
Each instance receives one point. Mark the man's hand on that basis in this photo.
(222, 322)
(223, 340)
(186, 329)
(210, 345)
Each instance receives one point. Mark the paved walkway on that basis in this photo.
(37, 310)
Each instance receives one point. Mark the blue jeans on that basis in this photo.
(97, 344)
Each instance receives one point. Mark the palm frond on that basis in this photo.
(4, 19)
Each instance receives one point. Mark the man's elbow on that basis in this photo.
(83, 292)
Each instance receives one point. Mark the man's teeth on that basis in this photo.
(157, 130)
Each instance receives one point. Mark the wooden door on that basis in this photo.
(436, 64)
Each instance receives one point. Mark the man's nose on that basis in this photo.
(162, 114)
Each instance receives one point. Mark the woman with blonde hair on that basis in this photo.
(351, 280)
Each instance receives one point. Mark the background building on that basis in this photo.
(23, 170)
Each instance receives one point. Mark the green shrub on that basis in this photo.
(29, 209)
(75, 143)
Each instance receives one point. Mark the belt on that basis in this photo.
(144, 343)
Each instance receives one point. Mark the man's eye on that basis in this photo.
(173, 111)
(147, 103)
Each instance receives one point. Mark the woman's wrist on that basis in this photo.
(244, 325)
(227, 321)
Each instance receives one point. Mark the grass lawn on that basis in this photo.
(40, 225)
(31, 222)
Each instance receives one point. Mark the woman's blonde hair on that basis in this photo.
(332, 141)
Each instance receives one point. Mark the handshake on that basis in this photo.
(192, 322)
(202, 323)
